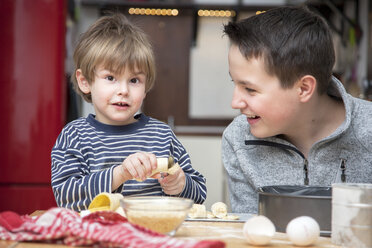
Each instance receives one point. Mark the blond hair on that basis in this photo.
(115, 43)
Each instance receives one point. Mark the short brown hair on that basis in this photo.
(117, 44)
(293, 42)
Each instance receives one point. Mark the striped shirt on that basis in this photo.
(87, 151)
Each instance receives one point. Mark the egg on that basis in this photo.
(258, 230)
(303, 231)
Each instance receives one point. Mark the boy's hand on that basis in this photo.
(172, 184)
(138, 165)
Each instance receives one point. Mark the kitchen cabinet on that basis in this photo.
(32, 100)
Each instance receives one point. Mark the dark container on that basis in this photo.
(282, 203)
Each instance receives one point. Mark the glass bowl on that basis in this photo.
(160, 214)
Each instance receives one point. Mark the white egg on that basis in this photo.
(259, 230)
(303, 231)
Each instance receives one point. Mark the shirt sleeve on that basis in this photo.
(195, 186)
(74, 186)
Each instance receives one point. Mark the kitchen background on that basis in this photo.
(192, 92)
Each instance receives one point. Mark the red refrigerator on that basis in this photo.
(32, 100)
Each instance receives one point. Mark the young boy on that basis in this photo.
(107, 151)
(297, 124)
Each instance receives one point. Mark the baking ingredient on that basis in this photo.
(162, 165)
(303, 231)
(231, 217)
(219, 209)
(120, 211)
(210, 215)
(173, 169)
(105, 201)
(259, 230)
(159, 213)
(197, 211)
(159, 221)
(165, 165)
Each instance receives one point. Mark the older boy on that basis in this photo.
(298, 124)
(105, 152)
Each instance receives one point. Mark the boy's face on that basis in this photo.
(117, 98)
(270, 109)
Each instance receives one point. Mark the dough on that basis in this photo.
(219, 209)
(197, 211)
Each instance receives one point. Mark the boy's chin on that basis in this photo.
(260, 134)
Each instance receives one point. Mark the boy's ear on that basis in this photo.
(82, 82)
(306, 87)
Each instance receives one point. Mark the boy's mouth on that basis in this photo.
(252, 117)
(121, 104)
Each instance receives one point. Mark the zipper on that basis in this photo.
(343, 170)
(284, 147)
(306, 172)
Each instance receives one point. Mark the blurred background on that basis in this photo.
(192, 91)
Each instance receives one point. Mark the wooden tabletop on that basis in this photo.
(232, 234)
(228, 232)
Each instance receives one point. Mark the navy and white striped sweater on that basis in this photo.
(87, 151)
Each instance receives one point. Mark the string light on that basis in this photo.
(175, 12)
(216, 13)
(149, 11)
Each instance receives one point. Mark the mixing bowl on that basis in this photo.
(282, 203)
(160, 214)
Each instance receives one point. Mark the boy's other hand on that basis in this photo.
(172, 184)
(138, 165)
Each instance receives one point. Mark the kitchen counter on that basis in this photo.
(228, 232)
(232, 234)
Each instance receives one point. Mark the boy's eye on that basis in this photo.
(134, 80)
(110, 78)
(250, 90)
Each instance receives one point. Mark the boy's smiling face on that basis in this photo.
(115, 98)
(270, 109)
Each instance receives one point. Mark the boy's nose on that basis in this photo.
(123, 88)
(238, 101)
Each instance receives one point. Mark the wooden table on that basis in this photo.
(232, 234)
(229, 232)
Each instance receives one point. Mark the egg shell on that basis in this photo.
(259, 230)
(303, 231)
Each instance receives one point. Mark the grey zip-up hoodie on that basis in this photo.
(343, 156)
